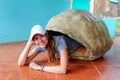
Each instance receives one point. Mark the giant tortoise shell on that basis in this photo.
(84, 27)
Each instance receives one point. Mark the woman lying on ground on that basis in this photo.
(55, 46)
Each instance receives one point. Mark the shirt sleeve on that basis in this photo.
(39, 49)
(61, 44)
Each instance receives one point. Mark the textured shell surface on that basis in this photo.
(87, 28)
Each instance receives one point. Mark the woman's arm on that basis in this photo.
(25, 57)
(62, 68)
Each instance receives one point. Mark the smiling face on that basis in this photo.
(41, 40)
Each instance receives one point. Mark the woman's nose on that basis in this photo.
(40, 40)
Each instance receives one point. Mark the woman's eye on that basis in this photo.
(42, 35)
(35, 39)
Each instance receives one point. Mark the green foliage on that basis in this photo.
(118, 24)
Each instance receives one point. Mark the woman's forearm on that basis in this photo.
(55, 69)
(24, 55)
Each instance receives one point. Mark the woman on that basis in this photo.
(56, 46)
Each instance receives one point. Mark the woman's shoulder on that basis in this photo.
(59, 37)
(39, 49)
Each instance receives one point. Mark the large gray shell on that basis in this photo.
(84, 27)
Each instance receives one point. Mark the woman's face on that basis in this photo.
(41, 40)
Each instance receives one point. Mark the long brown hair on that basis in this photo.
(51, 49)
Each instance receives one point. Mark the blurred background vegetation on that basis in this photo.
(118, 23)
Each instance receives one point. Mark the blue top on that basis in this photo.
(62, 42)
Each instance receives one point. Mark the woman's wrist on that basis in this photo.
(41, 67)
(29, 44)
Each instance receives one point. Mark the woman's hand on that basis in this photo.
(31, 42)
